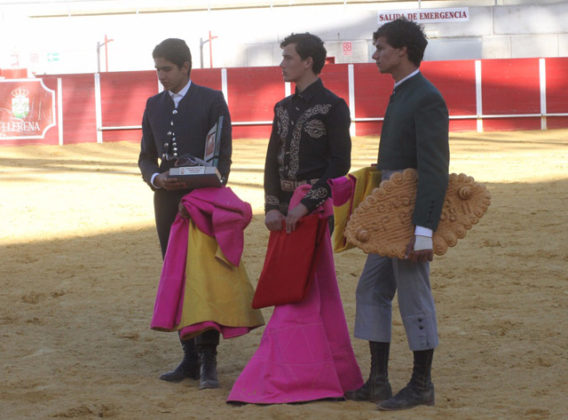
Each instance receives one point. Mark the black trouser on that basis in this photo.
(208, 339)
(165, 211)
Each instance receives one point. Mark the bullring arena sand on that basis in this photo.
(80, 264)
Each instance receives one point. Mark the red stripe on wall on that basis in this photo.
(79, 121)
(557, 85)
(123, 98)
(372, 92)
(207, 77)
(511, 87)
(253, 92)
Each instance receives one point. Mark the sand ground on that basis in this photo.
(79, 266)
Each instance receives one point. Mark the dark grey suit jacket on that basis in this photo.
(415, 135)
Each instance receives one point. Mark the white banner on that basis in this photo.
(458, 14)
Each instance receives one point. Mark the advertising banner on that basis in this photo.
(27, 109)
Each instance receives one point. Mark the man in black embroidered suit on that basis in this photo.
(414, 135)
(310, 140)
(175, 123)
(305, 352)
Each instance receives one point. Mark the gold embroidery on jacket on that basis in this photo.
(282, 122)
(272, 200)
(315, 128)
(294, 166)
(319, 194)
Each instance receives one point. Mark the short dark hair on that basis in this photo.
(404, 33)
(308, 45)
(174, 50)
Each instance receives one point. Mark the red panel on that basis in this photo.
(463, 125)
(79, 123)
(557, 122)
(133, 135)
(456, 82)
(511, 124)
(372, 93)
(336, 79)
(123, 97)
(557, 85)
(253, 92)
(510, 86)
(14, 73)
(207, 77)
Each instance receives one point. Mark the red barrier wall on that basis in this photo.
(372, 93)
(123, 98)
(78, 105)
(14, 73)
(557, 90)
(252, 93)
(456, 82)
(509, 86)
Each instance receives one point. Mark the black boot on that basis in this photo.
(377, 388)
(420, 389)
(208, 368)
(189, 366)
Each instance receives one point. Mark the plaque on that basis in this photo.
(201, 173)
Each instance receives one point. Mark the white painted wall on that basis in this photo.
(250, 37)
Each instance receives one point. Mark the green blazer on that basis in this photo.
(415, 135)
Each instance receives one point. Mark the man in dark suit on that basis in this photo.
(175, 124)
(414, 135)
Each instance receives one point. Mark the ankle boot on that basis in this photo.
(189, 366)
(377, 388)
(420, 389)
(208, 368)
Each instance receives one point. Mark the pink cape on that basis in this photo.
(305, 353)
(217, 212)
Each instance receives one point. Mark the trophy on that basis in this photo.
(200, 173)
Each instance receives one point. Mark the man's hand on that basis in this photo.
(183, 211)
(273, 220)
(419, 249)
(169, 184)
(294, 215)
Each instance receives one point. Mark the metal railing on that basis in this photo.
(372, 119)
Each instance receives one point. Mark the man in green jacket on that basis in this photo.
(414, 135)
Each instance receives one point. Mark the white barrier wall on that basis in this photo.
(250, 36)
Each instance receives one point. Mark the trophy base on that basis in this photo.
(197, 176)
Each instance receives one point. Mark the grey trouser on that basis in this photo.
(379, 281)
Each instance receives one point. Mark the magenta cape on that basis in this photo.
(219, 213)
(305, 353)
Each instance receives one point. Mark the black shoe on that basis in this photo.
(181, 372)
(208, 369)
(409, 396)
(374, 390)
(377, 388)
(189, 366)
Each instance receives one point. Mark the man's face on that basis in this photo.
(292, 65)
(173, 78)
(388, 58)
